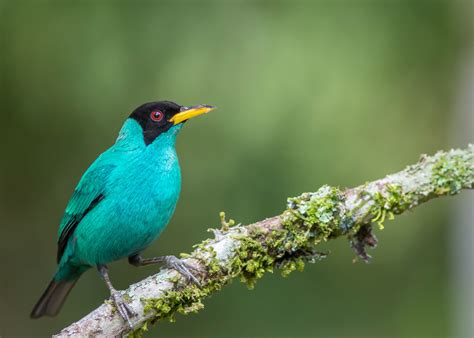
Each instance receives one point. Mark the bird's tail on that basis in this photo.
(53, 298)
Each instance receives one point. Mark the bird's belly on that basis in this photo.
(120, 227)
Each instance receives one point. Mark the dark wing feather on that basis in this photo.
(72, 224)
(88, 194)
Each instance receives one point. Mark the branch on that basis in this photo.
(285, 241)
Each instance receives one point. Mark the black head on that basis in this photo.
(156, 118)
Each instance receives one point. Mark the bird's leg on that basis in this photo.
(170, 262)
(125, 311)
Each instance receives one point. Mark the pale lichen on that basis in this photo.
(452, 172)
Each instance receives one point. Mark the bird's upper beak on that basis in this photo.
(187, 113)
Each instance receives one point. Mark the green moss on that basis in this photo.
(388, 203)
(452, 173)
(289, 266)
(182, 301)
(309, 219)
(252, 260)
(314, 217)
(225, 225)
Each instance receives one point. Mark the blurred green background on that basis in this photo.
(309, 93)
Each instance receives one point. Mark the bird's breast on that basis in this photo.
(151, 184)
(143, 195)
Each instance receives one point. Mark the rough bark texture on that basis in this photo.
(285, 241)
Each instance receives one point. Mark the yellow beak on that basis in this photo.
(187, 113)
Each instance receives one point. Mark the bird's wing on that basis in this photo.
(88, 193)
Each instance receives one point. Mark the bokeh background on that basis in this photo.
(309, 93)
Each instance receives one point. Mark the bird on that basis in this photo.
(122, 203)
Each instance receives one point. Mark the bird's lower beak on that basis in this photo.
(187, 113)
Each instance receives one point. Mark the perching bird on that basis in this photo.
(122, 203)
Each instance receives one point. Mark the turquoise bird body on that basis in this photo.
(147, 181)
(122, 203)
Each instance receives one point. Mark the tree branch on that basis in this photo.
(285, 241)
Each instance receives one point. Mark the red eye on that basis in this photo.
(156, 116)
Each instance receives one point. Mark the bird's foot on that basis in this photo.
(123, 308)
(183, 268)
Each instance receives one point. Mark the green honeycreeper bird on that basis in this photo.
(122, 203)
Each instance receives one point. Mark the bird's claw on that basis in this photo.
(183, 268)
(123, 308)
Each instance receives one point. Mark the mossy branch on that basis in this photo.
(285, 241)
